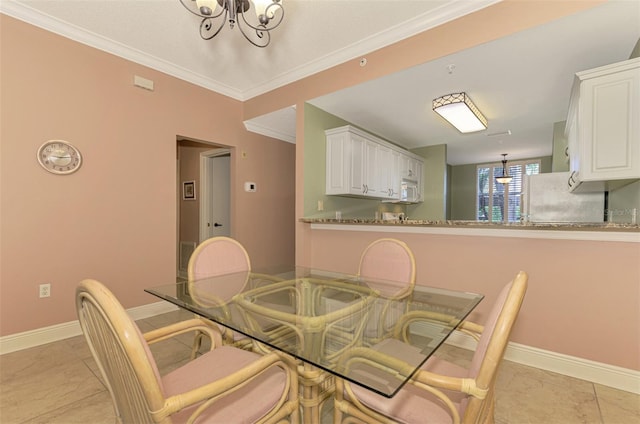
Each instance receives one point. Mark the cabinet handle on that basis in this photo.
(566, 151)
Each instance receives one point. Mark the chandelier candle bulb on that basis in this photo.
(207, 7)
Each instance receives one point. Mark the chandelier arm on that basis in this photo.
(210, 26)
(208, 30)
(262, 34)
(199, 14)
(272, 24)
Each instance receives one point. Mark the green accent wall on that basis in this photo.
(434, 179)
(463, 192)
(624, 204)
(316, 121)
(559, 162)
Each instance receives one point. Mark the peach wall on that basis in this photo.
(583, 298)
(114, 219)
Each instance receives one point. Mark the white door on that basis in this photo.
(215, 194)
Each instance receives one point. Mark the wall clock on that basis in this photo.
(59, 157)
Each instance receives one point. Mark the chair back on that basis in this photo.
(217, 256)
(492, 345)
(121, 353)
(391, 260)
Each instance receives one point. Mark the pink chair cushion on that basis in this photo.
(412, 405)
(246, 405)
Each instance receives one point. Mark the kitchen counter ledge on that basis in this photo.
(569, 231)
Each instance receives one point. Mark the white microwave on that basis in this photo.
(409, 191)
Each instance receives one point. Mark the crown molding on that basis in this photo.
(419, 23)
(269, 132)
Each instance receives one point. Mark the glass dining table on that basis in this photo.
(329, 321)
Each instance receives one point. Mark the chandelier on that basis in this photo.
(214, 14)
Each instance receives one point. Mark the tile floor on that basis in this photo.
(57, 383)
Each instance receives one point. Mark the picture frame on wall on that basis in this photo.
(188, 190)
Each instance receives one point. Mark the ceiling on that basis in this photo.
(521, 83)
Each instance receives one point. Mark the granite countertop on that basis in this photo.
(579, 226)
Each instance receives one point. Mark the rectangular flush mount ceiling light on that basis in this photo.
(459, 110)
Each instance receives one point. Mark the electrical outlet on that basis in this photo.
(45, 290)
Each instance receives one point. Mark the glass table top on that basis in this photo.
(370, 332)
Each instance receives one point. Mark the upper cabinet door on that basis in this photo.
(609, 114)
(358, 173)
(338, 166)
(603, 127)
(388, 170)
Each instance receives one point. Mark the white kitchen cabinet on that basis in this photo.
(351, 163)
(388, 172)
(407, 167)
(603, 127)
(360, 164)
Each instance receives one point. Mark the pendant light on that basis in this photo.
(505, 178)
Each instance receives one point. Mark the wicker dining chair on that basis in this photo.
(225, 384)
(441, 392)
(392, 264)
(214, 257)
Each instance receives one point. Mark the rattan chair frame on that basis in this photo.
(381, 327)
(228, 336)
(122, 356)
(480, 390)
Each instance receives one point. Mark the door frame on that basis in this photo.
(205, 191)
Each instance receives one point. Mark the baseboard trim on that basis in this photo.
(40, 336)
(584, 369)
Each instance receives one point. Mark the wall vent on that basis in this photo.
(186, 249)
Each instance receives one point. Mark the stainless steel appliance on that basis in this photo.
(546, 198)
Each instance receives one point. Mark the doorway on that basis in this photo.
(204, 169)
(215, 214)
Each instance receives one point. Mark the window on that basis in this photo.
(496, 201)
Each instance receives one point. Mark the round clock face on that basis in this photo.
(59, 157)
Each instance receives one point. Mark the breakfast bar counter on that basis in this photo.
(605, 231)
